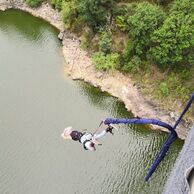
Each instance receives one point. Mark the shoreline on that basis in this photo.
(79, 67)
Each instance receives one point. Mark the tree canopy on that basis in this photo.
(174, 41)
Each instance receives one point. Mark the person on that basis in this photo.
(88, 140)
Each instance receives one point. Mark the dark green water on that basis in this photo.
(37, 100)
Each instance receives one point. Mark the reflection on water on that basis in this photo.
(38, 101)
(24, 28)
(104, 101)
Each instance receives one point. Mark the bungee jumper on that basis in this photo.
(89, 140)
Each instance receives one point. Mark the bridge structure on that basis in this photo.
(181, 179)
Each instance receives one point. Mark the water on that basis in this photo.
(37, 100)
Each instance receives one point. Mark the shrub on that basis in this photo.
(57, 4)
(85, 40)
(34, 3)
(105, 42)
(182, 92)
(69, 13)
(122, 13)
(121, 23)
(108, 62)
(182, 6)
(129, 51)
(133, 65)
(163, 89)
(185, 74)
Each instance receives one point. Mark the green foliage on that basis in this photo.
(154, 37)
(105, 42)
(182, 6)
(133, 65)
(182, 92)
(129, 51)
(174, 41)
(121, 23)
(108, 62)
(34, 3)
(85, 40)
(174, 86)
(95, 13)
(185, 74)
(57, 4)
(142, 23)
(163, 89)
(163, 2)
(122, 14)
(69, 13)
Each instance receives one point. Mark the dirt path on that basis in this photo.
(79, 66)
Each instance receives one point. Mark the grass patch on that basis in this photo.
(169, 90)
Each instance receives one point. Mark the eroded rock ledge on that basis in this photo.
(79, 66)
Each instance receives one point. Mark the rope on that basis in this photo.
(170, 139)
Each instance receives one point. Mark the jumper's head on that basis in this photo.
(66, 132)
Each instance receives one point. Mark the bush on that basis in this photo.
(69, 13)
(133, 65)
(182, 6)
(121, 23)
(122, 13)
(57, 4)
(34, 3)
(105, 42)
(163, 89)
(182, 92)
(108, 62)
(85, 40)
(185, 74)
(129, 51)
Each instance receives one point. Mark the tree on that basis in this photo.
(174, 41)
(34, 3)
(95, 13)
(145, 20)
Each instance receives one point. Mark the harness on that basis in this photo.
(84, 144)
(86, 137)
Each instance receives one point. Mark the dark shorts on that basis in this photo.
(76, 135)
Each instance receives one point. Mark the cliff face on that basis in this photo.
(79, 66)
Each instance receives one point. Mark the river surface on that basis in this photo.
(37, 100)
